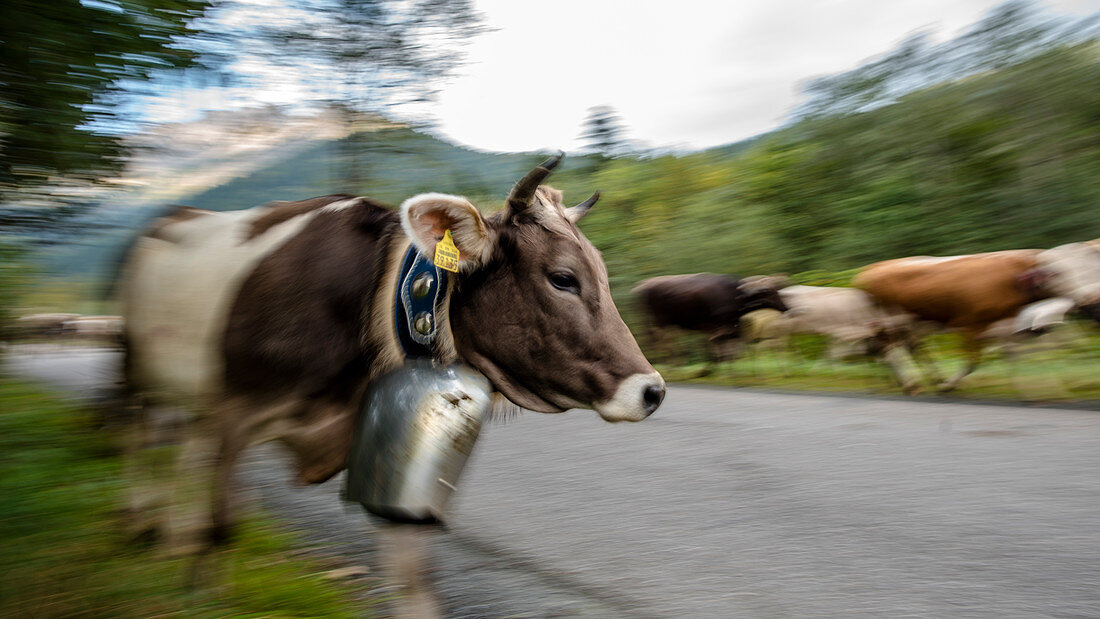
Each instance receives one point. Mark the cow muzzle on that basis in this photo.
(636, 398)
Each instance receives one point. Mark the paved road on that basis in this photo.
(740, 503)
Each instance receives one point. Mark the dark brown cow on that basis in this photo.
(970, 293)
(269, 323)
(706, 302)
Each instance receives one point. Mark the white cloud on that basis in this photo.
(690, 73)
(693, 72)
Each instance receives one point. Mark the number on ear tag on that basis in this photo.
(446, 254)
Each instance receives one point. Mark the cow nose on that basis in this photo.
(652, 397)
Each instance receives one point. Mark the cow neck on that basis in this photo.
(420, 304)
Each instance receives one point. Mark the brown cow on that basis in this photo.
(706, 302)
(972, 292)
(269, 323)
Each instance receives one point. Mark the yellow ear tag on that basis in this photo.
(446, 254)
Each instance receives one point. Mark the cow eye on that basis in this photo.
(565, 281)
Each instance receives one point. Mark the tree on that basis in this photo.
(373, 54)
(603, 132)
(63, 64)
(1009, 34)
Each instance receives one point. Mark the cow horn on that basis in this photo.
(575, 213)
(587, 204)
(524, 190)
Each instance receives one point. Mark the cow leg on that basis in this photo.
(1010, 350)
(673, 346)
(320, 440)
(751, 352)
(1065, 339)
(189, 518)
(406, 552)
(782, 350)
(239, 422)
(771, 353)
(973, 349)
(1034, 387)
(680, 345)
(230, 448)
(919, 353)
(151, 445)
(143, 492)
(650, 339)
(721, 348)
(659, 342)
(897, 357)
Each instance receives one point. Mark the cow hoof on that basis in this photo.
(147, 537)
(140, 527)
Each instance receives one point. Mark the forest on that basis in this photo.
(1007, 159)
(1004, 159)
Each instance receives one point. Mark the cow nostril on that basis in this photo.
(652, 397)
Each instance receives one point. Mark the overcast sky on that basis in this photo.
(691, 73)
(681, 74)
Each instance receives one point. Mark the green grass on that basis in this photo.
(1069, 373)
(65, 552)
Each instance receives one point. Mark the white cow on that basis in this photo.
(856, 326)
(1072, 271)
(849, 318)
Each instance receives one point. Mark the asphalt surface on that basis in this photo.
(740, 503)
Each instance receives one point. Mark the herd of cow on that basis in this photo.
(986, 296)
(269, 324)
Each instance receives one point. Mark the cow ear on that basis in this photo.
(428, 216)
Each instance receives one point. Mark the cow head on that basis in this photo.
(1073, 271)
(1035, 283)
(531, 308)
(762, 292)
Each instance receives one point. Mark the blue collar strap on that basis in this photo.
(421, 288)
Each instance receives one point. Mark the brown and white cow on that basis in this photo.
(1072, 271)
(972, 292)
(269, 323)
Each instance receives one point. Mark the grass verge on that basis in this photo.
(65, 553)
(1067, 373)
